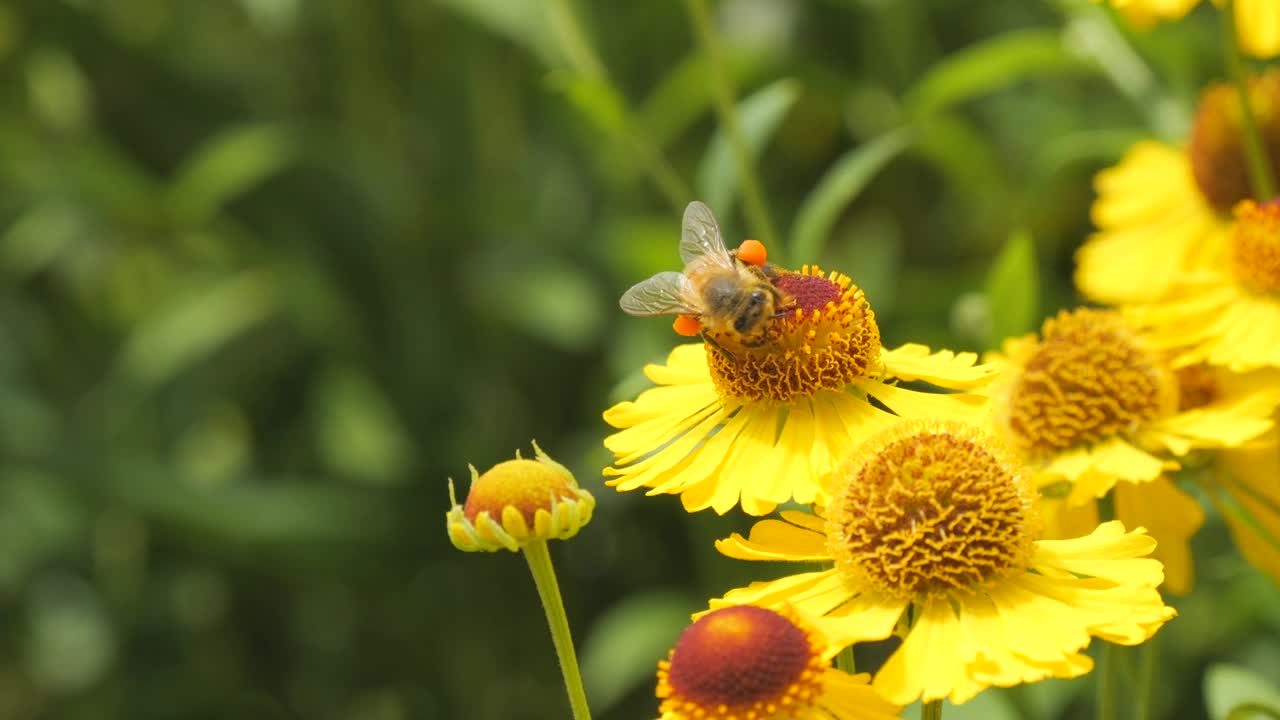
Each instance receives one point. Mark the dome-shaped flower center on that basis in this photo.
(1255, 245)
(741, 662)
(825, 338)
(930, 507)
(526, 485)
(1217, 139)
(1089, 377)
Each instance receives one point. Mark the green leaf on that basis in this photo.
(226, 166)
(598, 101)
(1228, 687)
(523, 22)
(1013, 289)
(624, 646)
(991, 65)
(760, 115)
(357, 431)
(833, 193)
(684, 95)
(178, 335)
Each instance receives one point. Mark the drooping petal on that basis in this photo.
(1172, 517)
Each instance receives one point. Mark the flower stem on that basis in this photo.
(931, 710)
(1108, 683)
(722, 87)
(544, 577)
(1264, 186)
(1147, 654)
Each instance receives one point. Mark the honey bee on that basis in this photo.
(726, 295)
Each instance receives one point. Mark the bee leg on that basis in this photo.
(717, 346)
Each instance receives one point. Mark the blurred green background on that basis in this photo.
(272, 270)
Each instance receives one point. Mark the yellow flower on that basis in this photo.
(1091, 402)
(1252, 506)
(1169, 515)
(757, 425)
(1228, 316)
(934, 533)
(517, 502)
(1164, 213)
(1153, 223)
(1257, 21)
(743, 662)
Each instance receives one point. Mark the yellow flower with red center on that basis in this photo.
(759, 423)
(750, 663)
(1164, 213)
(1257, 22)
(517, 502)
(934, 533)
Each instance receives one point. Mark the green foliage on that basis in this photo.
(272, 271)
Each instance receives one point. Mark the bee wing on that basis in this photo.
(667, 293)
(700, 238)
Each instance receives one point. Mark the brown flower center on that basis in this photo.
(1089, 377)
(825, 338)
(931, 507)
(741, 662)
(1217, 140)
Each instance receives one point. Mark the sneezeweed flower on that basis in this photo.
(756, 423)
(1164, 212)
(1245, 490)
(1229, 316)
(519, 505)
(934, 533)
(517, 502)
(1090, 401)
(1257, 22)
(751, 663)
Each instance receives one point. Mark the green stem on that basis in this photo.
(1147, 654)
(584, 61)
(931, 710)
(726, 108)
(544, 577)
(1108, 682)
(1264, 186)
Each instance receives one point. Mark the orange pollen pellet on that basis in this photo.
(753, 252)
(687, 325)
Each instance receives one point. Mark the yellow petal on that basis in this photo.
(925, 665)
(865, 616)
(1108, 552)
(776, 540)
(1171, 517)
(1259, 26)
(851, 697)
(944, 368)
(774, 592)
(966, 407)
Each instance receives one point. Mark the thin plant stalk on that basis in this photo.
(544, 577)
(931, 710)
(584, 61)
(1108, 683)
(1259, 165)
(727, 110)
(1144, 692)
